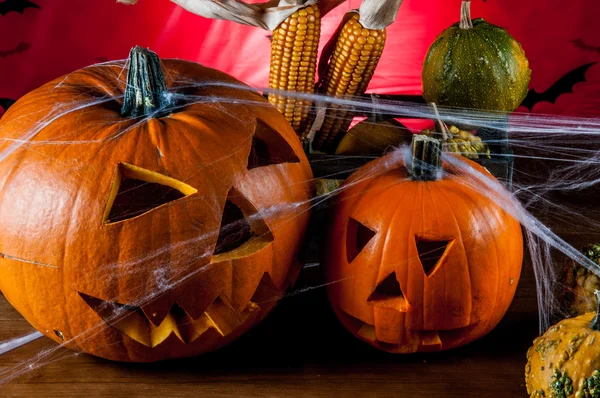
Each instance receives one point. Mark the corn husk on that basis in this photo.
(378, 14)
(266, 15)
(374, 14)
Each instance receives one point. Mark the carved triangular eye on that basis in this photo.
(387, 289)
(234, 231)
(136, 191)
(357, 237)
(269, 147)
(431, 253)
(243, 231)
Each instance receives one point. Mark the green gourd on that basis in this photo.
(474, 64)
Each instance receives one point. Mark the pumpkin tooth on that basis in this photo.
(157, 310)
(164, 330)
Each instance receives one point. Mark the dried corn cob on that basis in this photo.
(293, 63)
(349, 72)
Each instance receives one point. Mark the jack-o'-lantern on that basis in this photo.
(153, 218)
(416, 259)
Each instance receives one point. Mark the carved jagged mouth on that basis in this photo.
(411, 340)
(131, 320)
(424, 338)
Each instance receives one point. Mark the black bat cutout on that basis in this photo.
(16, 6)
(20, 48)
(5, 103)
(582, 45)
(564, 85)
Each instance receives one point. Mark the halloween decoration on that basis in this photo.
(327, 186)
(579, 283)
(347, 65)
(296, 26)
(565, 361)
(21, 47)
(172, 231)
(5, 103)
(463, 143)
(474, 64)
(374, 136)
(19, 6)
(294, 49)
(564, 85)
(421, 262)
(350, 69)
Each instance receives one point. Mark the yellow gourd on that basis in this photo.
(565, 361)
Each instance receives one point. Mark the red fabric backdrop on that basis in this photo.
(63, 35)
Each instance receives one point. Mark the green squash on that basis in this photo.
(477, 65)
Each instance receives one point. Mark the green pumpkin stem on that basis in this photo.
(465, 15)
(595, 325)
(426, 162)
(146, 93)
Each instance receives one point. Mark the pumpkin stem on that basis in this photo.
(465, 15)
(426, 162)
(146, 93)
(595, 325)
(376, 116)
(440, 126)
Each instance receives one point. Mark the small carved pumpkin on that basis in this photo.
(416, 260)
(160, 230)
(565, 361)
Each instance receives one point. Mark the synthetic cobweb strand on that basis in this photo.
(560, 139)
(540, 237)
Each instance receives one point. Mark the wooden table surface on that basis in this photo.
(299, 350)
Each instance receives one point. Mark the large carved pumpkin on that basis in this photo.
(418, 262)
(162, 231)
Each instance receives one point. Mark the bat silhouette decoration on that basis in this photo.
(20, 48)
(5, 103)
(582, 45)
(19, 6)
(564, 85)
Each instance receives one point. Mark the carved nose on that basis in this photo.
(388, 294)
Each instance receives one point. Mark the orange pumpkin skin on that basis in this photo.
(565, 361)
(63, 263)
(385, 293)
